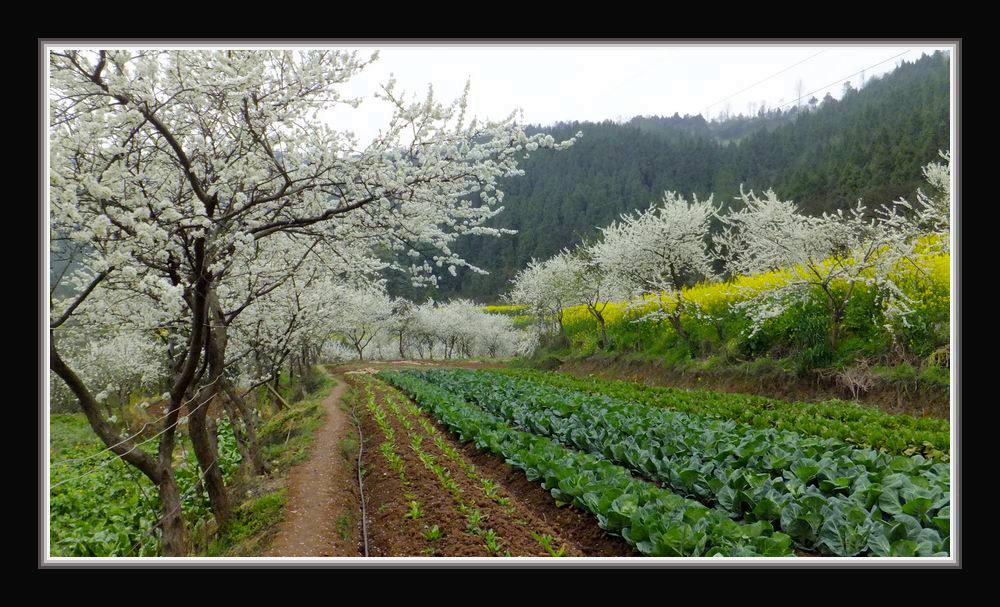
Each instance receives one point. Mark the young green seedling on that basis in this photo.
(546, 541)
(414, 510)
(472, 519)
(433, 534)
(492, 541)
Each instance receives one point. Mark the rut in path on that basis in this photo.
(322, 490)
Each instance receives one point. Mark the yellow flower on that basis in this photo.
(926, 282)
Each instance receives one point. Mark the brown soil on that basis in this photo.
(322, 489)
(890, 396)
(390, 532)
(579, 528)
(322, 512)
(528, 512)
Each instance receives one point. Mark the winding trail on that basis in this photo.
(321, 511)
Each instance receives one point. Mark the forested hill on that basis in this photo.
(871, 144)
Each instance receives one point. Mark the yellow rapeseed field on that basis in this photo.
(926, 282)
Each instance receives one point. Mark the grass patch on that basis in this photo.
(721, 365)
(251, 522)
(345, 521)
(286, 437)
(905, 373)
(71, 431)
(348, 448)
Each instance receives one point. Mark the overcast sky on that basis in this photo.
(597, 82)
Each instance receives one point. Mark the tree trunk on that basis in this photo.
(173, 538)
(208, 461)
(675, 314)
(173, 533)
(836, 317)
(213, 433)
(835, 329)
(126, 450)
(205, 451)
(246, 438)
(241, 443)
(675, 322)
(602, 326)
(563, 338)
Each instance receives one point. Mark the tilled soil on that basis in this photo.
(530, 511)
(578, 527)
(515, 522)
(390, 532)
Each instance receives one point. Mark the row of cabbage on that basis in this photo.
(850, 422)
(827, 495)
(654, 520)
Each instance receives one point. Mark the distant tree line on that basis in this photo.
(822, 154)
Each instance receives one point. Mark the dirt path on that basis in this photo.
(321, 513)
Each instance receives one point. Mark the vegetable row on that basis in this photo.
(654, 520)
(842, 420)
(825, 494)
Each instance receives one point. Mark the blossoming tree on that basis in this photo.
(832, 255)
(171, 169)
(548, 287)
(361, 314)
(654, 253)
(597, 288)
(933, 208)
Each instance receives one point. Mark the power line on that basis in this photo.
(140, 431)
(763, 81)
(842, 79)
(134, 447)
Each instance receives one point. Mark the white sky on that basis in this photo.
(596, 82)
